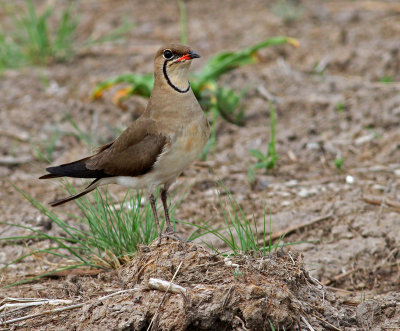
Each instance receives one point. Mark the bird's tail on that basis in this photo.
(88, 189)
(75, 169)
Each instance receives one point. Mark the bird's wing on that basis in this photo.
(131, 154)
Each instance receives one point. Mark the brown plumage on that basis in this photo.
(159, 145)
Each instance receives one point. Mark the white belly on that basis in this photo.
(165, 172)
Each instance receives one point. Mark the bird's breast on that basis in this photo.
(184, 148)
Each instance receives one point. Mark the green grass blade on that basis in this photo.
(227, 61)
(257, 154)
(182, 20)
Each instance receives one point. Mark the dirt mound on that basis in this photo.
(337, 139)
(209, 292)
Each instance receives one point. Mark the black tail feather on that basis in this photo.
(88, 189)
(75, 169)
(48, 176)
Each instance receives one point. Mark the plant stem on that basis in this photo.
(182, 15)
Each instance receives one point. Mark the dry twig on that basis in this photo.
(34, 302)
(227, 297)
(331, 326)
(79, 305)
(15, 135)
(341, 276)
(10, 160)
(379, 201)
(19, 319)
(306, 323)
(295, 228)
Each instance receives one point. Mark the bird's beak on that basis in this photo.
(189, 56)
(194, 55)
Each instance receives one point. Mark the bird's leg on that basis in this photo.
(169, 228)
(153, 207)
(169, 232)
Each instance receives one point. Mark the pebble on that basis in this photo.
(341, 231)
(313, 146)
(349, 179)
(262, 183)
(211, 192)
(306, 192)
(291, 183)
(378, 187)
(364, 139)
(283, 194)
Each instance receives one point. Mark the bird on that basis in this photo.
(155, 149)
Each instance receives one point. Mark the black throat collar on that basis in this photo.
(176, 88)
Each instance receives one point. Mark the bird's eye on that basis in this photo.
(168, 54)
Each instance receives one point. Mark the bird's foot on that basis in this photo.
(169, 230)
(173, 236)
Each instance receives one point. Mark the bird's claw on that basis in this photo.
(169, 230)
(173, 236)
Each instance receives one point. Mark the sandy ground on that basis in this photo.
(330, 100)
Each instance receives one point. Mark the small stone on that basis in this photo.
(341, 231)
(364, 139)
(313, 146)
(306, 192)
(291, 183)
(378, 187)
(262, 183)
(211, 192)
(349, 179)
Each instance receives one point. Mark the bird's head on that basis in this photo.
(171, 66)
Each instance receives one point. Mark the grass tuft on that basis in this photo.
(240, 234)
(386, 79)
(42, 37)
(111, 234)
(33, 40)
(338, 162)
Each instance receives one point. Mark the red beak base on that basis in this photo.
(184, 58)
